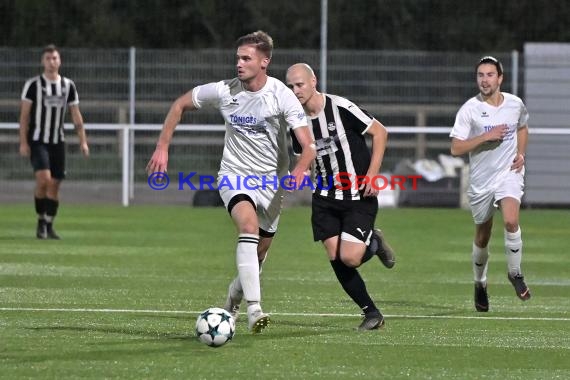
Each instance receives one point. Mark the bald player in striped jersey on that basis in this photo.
(492, 128)
(45, 99)
(343, 216)
(259, 112)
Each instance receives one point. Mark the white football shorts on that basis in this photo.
(484, 204)
(268, 198)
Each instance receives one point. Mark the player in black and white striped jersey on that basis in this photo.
(344, 210)
(45, 99)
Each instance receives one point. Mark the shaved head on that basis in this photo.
(301, 66)
(302, 80)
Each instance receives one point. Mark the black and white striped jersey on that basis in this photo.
(49, 103)
(342, 154)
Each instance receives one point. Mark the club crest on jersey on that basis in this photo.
(331, 126)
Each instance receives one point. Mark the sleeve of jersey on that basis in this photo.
(357, 118)
(461, 127)
(72, 95)
(28, 92)
(207, 95)
(523, 119)
(293, 111)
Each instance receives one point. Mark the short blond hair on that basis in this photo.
(261, 40)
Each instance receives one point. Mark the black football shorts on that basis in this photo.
(48, 156)
(332, 217)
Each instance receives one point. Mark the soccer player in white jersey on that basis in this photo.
(492, 127)
(259, 112)
(343, 216)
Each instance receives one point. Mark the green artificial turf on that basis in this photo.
(118, 297)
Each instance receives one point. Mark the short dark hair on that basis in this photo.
(492, 61)
(262, 41)
(50, 49)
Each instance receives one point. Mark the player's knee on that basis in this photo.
(53, 186)
(482, 241)
(248, 228)
(511, 225)
(352, 261)
(42, 184)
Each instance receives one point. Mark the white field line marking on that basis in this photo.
(403, 316)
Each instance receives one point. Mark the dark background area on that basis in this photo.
(483, 25)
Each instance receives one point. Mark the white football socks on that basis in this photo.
(236, 291)
(480, 257)
(248, 267)
(513, 251)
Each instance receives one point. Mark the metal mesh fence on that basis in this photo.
(404, 88)
(370, 78)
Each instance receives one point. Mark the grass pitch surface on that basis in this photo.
(118, 297)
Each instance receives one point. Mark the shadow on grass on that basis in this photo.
(97, 341)
(145, 344)
(115, 330)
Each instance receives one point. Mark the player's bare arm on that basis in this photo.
(25, 111)
(159, 160)
(459, 147)
(522, 140)
(77, 119)
(308, 153)
(379, 139)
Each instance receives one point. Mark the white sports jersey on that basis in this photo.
(491, 160)
(256, 141)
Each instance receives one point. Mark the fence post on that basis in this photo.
(125, 163)
(515, 72)
(421, 121)
(124, 137)
(132, 99)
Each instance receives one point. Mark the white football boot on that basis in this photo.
(258, 320)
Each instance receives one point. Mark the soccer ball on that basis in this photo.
(215, 327)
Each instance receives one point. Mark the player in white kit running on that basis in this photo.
(493, 128)
(259, 112)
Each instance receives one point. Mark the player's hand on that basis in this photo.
(24, 150)
(84, 149)
(299, 176)
(518, 163)
(158, 162)
(498, 133)
(368, 189)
